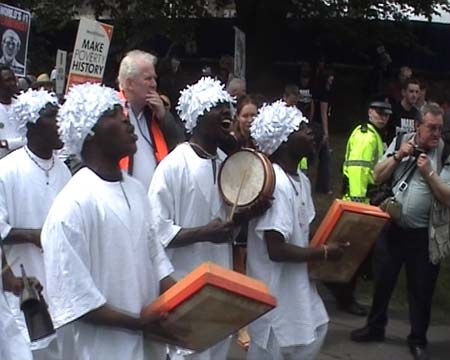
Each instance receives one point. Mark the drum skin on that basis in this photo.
(250, 169)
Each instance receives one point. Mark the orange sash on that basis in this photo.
(159, 142)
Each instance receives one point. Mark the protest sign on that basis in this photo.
(90, 52)
(239, 53)
(14, 29)
(61, 58)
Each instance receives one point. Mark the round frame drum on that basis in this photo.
(245, 177)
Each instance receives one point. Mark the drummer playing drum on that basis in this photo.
(278, 249)
(190, 216)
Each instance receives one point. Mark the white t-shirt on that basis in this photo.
(144, 161)
(25, 199)
(99, 248)
(8, 130)
(184, 194)
(300, 309)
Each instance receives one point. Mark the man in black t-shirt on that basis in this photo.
(404, 113)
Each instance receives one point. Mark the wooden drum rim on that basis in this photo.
(269, 178)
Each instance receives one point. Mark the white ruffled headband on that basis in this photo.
(27, 107)
(201, 97)
(273, 125)
(84, 105)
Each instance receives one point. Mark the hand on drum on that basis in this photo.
(336, 250)
(220, 231)
(164, 325)
(257, 209)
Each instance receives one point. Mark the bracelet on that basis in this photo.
(431, 173)
(325, 252)
(397, 159)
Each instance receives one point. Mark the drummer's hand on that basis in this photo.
(256, 210)
(16, 285)
(336, 250)
(220, 231)
(152, 320)
(165, 325)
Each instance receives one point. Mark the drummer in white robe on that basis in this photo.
(102, 260)
(277, 245)
(30, 179)
(190, 215)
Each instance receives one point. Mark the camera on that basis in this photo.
(417, 151)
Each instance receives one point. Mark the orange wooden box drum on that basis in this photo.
(357, 223)
(208, 305)
(250, 171)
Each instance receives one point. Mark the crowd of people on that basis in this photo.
(142, 208)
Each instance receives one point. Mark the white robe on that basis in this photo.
(99, 250)
(184, 194)
(8, 131)
(300, 310)
(13, 345)
(25, 199)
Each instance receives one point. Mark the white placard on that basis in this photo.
(90, 52)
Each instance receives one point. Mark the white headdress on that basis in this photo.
(273, 125)
(28, 105)
(201, 97)
(84, 105)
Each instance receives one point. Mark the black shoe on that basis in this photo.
(355, 309)
(366, 334)
(419, 352)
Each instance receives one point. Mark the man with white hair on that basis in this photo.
(157, 130)
(278, 243)
(10, 48)
(30, 179)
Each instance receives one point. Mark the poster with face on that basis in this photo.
(14, 30)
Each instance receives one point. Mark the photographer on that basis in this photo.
(405, 240)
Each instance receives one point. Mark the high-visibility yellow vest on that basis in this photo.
(364, 149)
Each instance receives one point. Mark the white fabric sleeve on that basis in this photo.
(71, 290)
(161, 262)
(279, 217)
(162, 203)
(15, 143)
(5, 227)
(389, 150)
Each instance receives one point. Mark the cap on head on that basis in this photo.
(381, 104)
(84, 106)
(273, 125)
(196, 99)
(27, 107)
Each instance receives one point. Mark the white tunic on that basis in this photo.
(184, 194)
(300, 309)
(99, 248)
(25, 199)
(8, 131)
(13, 346)
(144, 161)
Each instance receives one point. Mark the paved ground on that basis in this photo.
(339, 347)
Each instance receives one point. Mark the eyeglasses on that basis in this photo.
(434, 128)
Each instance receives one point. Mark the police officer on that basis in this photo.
(364, 148)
